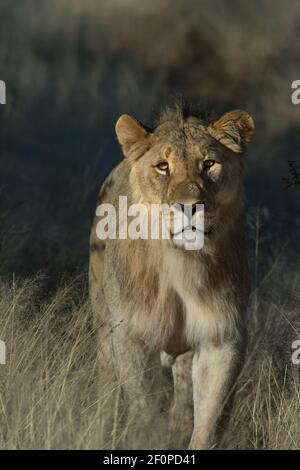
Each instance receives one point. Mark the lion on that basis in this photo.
(156, 297)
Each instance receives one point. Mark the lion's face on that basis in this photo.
(188, 165)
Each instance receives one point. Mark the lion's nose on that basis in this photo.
(194, 206)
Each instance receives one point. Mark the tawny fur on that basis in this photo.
(153, 296)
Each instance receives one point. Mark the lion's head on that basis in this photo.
(185, 160)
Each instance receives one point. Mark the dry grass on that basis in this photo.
(53, 397)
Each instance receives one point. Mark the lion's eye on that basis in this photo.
(209, 163)
(162, 167)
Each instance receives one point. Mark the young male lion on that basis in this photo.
(156, 295)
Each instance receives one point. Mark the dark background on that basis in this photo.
(72, 67)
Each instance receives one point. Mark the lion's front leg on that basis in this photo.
(139, 371)
(181, 413)
(215, 369)
(140, 378)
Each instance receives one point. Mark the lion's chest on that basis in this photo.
(201, 311)
(175, 304)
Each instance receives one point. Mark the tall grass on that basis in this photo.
(53, 396)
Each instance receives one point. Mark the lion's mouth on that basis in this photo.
(192, 228)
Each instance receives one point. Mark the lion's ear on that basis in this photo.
(132, 136)
(234, 130)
